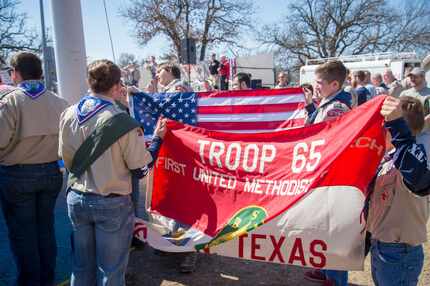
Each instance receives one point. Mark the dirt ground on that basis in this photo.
(145, 268)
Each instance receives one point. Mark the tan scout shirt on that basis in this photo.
(110, 173)
(29, 128)
(396, 214)
(331, 110)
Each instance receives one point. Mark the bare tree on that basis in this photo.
(210, 22)
(126, 59)
(14, 35)
(329, 28)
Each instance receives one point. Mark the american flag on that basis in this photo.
(229, 111)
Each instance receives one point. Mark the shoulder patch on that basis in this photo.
(335, 112)
(340, 105)
(139, 132)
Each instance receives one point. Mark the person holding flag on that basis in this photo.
(329, 79)
(102, 148)
(399, 206)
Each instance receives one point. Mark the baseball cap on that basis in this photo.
(416, 71)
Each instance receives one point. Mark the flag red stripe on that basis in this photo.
(238, 109)
(259, 125)
(256, 92)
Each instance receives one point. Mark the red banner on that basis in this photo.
(204, 178)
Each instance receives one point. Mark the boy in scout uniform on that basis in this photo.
(329, 79)
(30, 178)
(102, 146)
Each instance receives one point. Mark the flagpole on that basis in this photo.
(110, 34)
(46, 73)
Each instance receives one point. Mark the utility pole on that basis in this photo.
(46, 72)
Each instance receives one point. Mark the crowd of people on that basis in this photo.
(102, 150)
(218, 75)
(398, 208)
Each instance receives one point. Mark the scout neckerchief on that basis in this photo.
(89, 106)
(101, 138)
(32, 88)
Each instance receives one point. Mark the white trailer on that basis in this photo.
(375, 63)
(260, 66)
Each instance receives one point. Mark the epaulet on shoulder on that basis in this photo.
(6, 90)
(69, 111)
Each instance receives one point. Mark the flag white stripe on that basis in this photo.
(250, 100)
(251, 117)
(259, 130)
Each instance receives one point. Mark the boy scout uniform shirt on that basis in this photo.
(331, 110)
(110, 173)
(396, 215)
(29, 127)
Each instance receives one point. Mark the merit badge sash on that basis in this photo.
(88, 106)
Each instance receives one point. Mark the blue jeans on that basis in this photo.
(338, 276)
(102, 232)
(135, 194)
(396, 263)
(27, 195)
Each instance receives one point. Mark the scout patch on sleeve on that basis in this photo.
(339, 105)
(335, 112)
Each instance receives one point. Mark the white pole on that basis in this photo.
(69, 49)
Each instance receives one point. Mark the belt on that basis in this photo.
(94, 194)
(49, 165)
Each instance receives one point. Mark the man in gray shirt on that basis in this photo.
(420, 91)
(419, 87)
